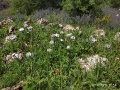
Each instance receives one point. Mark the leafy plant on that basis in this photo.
(84, 6)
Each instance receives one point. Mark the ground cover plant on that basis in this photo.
(51, 54)
(51, 49)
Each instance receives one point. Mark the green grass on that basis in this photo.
(38, 71)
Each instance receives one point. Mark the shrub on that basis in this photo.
(26, 6)
(115, 3)
(58, 14)
(84, 6)
(29, 6)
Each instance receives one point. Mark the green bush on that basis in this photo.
(72, 6)
(115, 3)
(29, 6)
(24, 6)
(84, 6)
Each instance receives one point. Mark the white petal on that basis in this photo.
(21, 29)
(28, 54)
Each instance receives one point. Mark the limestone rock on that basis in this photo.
(68, 28)
(91, 62)
(43, 21)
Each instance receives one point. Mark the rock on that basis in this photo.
(68, 28)
(18, 86)
(12, 29)
(17, 55)
(100, 33)
(9, 20)
(117, 36)
(26, 45)
(9, 58)
(43, 21)
(13, 56)
(28, 21)
(4, 22)
(91, 62)
(8, 88)
(10, 37)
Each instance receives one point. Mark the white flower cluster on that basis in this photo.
(70, 36)
(108, 46)
(49, 50)
(93, 40)
(68, 47)
(29, 54)
(29, 28)
(51, 42)
(21, 29)
(56, 35)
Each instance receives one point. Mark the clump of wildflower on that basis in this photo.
(29, 28)
(61, 40)
(72, 37)
(49, 50)
(21, 29)
(28, 54)
(69, 35)
(68, 47)
(51, 42)
(60, 25)
(25, 25)
(61, 32)
(80, 32)
(108, 46)
(55, 35)
(93, 40)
